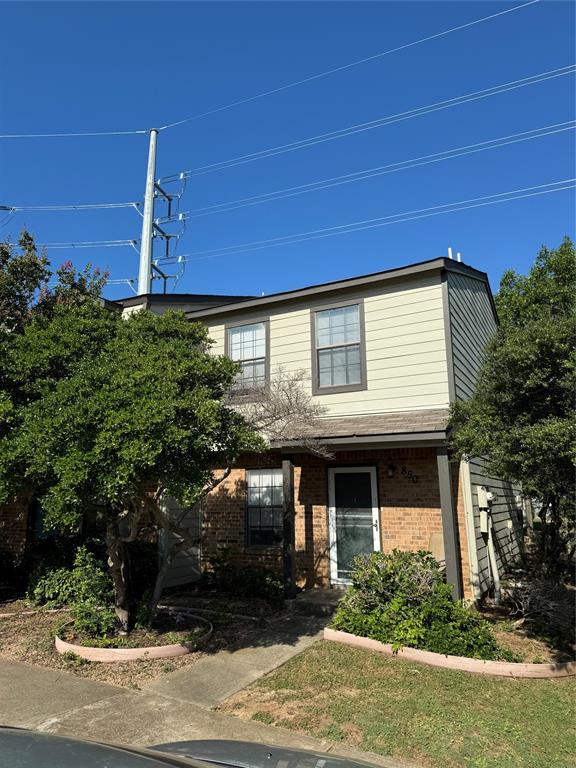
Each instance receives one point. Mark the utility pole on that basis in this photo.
(145, 270)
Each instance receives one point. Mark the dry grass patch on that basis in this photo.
(31, 639)
(435, 717)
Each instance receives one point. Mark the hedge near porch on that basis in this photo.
(402, 599)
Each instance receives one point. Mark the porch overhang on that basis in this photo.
(388, 430)
(407, 428)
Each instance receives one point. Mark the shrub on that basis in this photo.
(460, 632)
(402, 599)
(244, 581)
(12, 574)
(255, 581)
(220, 573)
(85, 580)
(93, 619)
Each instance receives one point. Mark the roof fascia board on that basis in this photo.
(433, 265)
(366, 441)
(374, 445)
(178, 298)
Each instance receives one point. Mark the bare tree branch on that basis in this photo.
(285, 411)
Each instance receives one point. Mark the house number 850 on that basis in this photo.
(409, 474)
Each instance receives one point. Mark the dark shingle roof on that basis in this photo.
(406, 422)
(379, 426)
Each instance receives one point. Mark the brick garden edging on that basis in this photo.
(463, 664)
(132, 654)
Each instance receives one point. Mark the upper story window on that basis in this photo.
(339, 362)
(247, 346)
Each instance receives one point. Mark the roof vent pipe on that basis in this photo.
(458, 256)
(449, 253)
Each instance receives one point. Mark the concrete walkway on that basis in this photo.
(215, 678)
(175, 707)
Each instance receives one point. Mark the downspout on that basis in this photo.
(493, 562)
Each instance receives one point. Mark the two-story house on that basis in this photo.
(385, 354)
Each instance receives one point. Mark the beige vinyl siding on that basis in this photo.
(472, 324)
(504, 510)
(405, 345)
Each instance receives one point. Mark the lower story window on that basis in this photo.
(265, 506)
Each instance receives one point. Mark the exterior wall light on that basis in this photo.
(391, 470)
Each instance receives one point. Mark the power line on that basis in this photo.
(67, 135)
(89, 244)
(129, 281)
(346, 66)
(325, 73)
(378, 123)
(8, 216)
(368, 173)
(72, 207)
(356, 226)
(275, 90)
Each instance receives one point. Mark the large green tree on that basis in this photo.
(27, 298)
(121, 412)
(111, 411)
(522, 417)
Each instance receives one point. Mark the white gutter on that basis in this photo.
(493, 562)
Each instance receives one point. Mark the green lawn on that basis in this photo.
(434, 717)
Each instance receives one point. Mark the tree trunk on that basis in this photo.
(186, 542)
(555, 523)
(543, 534)
(117, 565)
(170, 554)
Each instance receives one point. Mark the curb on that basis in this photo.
(459, 663)
(109, 655)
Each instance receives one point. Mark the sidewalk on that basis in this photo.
(177, 707)
(215, 678)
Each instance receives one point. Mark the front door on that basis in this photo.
(353, 518)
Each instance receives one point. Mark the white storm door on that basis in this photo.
(353, 518)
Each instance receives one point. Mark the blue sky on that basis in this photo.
(121, 66)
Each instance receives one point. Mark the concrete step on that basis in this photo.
(316, 602)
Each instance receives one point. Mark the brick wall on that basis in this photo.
(410, 514)
(224, 517)
(14, 527)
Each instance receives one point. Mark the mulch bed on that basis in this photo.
(30, 639)
(214, 603)
(533, 647)
(168, 629)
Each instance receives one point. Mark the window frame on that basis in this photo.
(252, 393)
(363, 383)
(248, 544)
